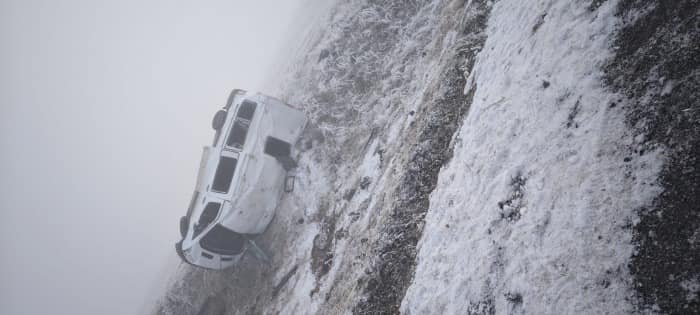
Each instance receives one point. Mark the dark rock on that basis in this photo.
(366, 181)
(324, 54)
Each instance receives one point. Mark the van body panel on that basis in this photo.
(256, 178)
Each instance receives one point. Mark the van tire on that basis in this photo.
(219, 119)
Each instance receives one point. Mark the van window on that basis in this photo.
(224, 174)
(238, 133)
(223, 241)
(211, 211)
(277, 147)
(239, 130)
(247, 110)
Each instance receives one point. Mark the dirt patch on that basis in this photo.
(510, 207)
(322, 250)
(388, 278)
(657, 66)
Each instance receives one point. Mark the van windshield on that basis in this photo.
(223, 241)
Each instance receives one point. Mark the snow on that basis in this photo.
(534, 212)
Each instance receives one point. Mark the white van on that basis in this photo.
(241, 179)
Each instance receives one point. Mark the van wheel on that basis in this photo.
(219, 119)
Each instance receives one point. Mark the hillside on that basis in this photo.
(483, 157)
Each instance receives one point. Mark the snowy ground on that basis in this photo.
(533, 214)
(471, 157)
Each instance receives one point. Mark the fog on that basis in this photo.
(105, 106)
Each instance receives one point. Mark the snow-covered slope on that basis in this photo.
(481, 157)
(533, 214)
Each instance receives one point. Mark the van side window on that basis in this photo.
(224, 174)
(237, 136)
(211, 211)
(247, 110)
(223, 241)
(277, 147)
(239, 130)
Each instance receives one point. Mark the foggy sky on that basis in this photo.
(104, 108)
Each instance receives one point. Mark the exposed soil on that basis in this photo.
(657, 67)
(322, 251)
(391, 276)
(392, 272)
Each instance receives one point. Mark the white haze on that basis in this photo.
(104, 107)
